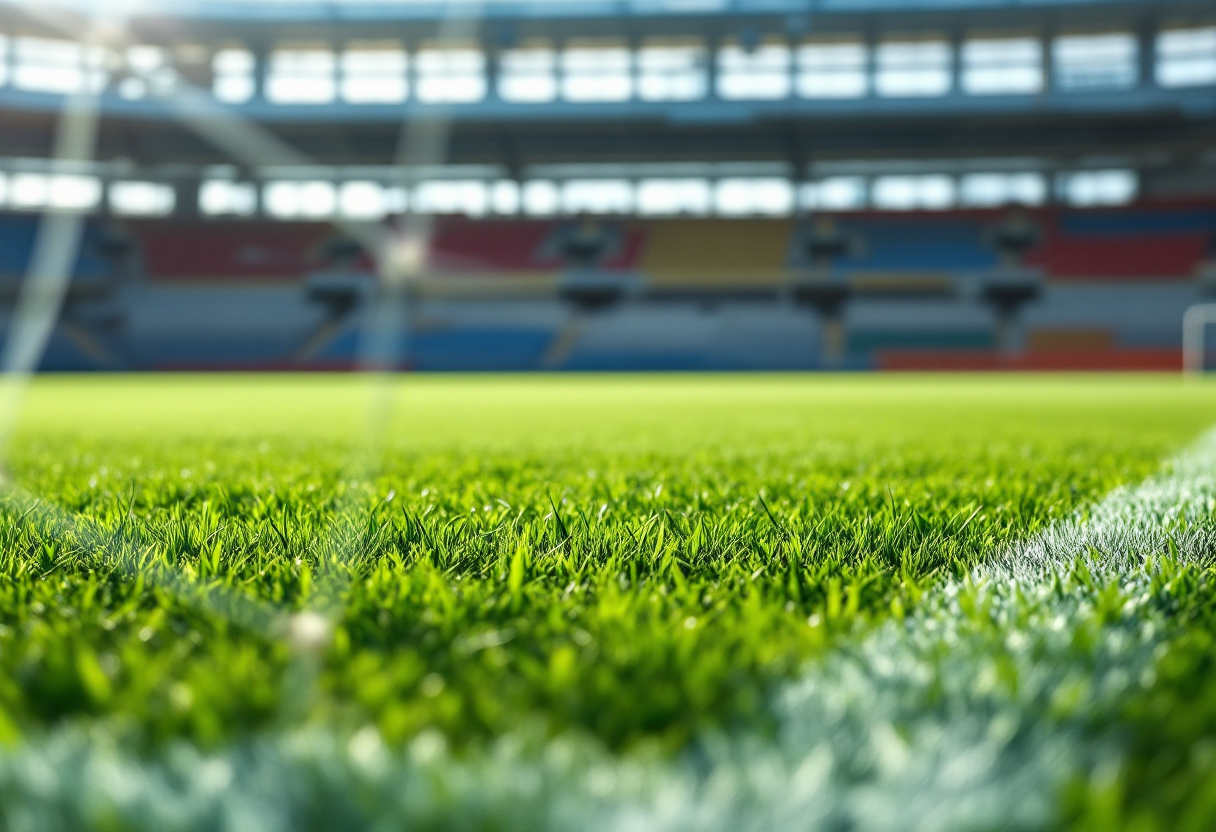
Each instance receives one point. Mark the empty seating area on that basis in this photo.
(715, 253)
(17, 238)
(916, 244)
(1141, 242)
(231, 250)
(462, 245)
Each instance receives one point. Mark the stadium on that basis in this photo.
(607, 414)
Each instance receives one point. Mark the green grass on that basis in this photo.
(634, 562)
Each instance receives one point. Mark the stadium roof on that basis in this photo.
(354, 10)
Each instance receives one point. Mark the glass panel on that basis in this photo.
(835, 70)
(232, 71)
(905, 193)
(219, 196)
(374, 76)
(451, 197)
(305, 200)
(990, 190)
(760, 74)
(835, 193)
(597, 196)
(56, 66)
(672, 73)
(743, 197)
(301, 76)
(1186, 57)
(597, 74)
(527, 75)
(452, 76)
(148, 199)
(1099, 187)
(1095, 61)
(913, 69)
(1007, 66)
(673, 196)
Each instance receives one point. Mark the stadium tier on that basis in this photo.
(1142, 242)
(744, 183)
(696, 293)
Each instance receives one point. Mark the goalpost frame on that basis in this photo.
(1195, 322)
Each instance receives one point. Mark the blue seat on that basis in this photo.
(917, 244)
(1138, 223)
(17, 233)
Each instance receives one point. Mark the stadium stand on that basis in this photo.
(740, 255)
(953, 244)
(1143, 242)
(230, 250)
(770, 183)
(17, 234)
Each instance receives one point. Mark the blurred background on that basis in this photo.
(611, 184)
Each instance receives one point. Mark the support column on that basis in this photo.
(871, 68)
(185, 198)
(1146, 55)
(492, 61)
(956, 63)
(261, 65)
(1048, 62)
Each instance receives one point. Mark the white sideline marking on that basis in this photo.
(1116, 533)
(915, 727)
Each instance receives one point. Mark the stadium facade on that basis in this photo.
(621, 185)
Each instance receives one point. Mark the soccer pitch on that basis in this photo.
(601, 602)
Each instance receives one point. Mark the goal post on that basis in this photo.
(1195, 322)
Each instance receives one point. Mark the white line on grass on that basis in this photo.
(972, 712)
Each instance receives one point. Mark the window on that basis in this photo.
(671, 73)
(232, 75)
(527, 75)
(750, 197)
(991, 190)
(220, 196)
(832, 70)
(913, 69)
(451, 197)
(835, 193)
(540, 198)
(1098, 187)
(64, 192)
(374, 76)
(3, 60)
(302, 200)
(301, 76)
(658, 197)
(148, 71)
(57, 66)
(597, 196)
(905, 193)
(1186, 57)
(597, 74)
(1095, 61)
(761, 74)
(141, 199)
(504, 197)
(3, 188)
(1006, 66)
(450, 76)
(359, 200)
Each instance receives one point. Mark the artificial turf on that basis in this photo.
(635, 562)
